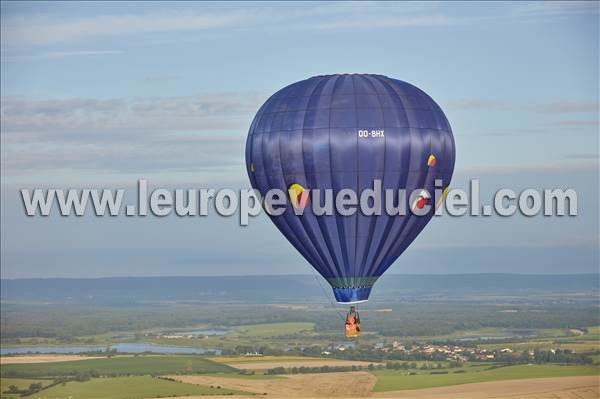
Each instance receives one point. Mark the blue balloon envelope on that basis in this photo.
(344, 132)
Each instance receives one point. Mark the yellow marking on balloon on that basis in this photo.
(444, 193)
(298, 197)
(252, 167)
(431, 160)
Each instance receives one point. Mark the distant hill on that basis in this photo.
(295, 288)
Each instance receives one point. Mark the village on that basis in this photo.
(430, 351)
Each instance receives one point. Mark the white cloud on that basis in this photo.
(555, 107)
(576, 241)
(195, 135)
(382, 20)
(46, 29)
(567, 107)
(579, 123)
(50, 30)
(584, 156)
(204, 112)
(556, 8)
(559, 167)
(61, 54)
(43, 30)
(162, 78)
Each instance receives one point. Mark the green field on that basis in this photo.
(271, 329)
(392, 380)
(130, 388)
(554, 339)
(120, 365)
(252, 334)
(491, 332)
(571, 343)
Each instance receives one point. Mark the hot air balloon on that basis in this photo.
(344, 132)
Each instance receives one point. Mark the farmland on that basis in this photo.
(535, 388)
(432, 345)
(272, 329)
(130, 387)
(394, 381)
(119, 365)
(20, 383)
(186, 382)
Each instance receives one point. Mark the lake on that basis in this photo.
(120, 347)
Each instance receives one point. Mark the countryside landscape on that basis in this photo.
(451, 336)
(299, 199)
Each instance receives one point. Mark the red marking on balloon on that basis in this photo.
(421, 202)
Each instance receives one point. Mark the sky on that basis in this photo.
(102, 94)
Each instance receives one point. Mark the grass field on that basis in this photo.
(553, 339)
(92, 341)
(392, 380)
(130, 388)
(260, 363)
(491, 332)
(271, 329)
(134, 365)
(573, 344)
(252, 334)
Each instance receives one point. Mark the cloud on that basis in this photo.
(579, 123)
(372, 20)
(21, 29)
(556, 8)
(149, 157)
(583, 156)
(194, 135)
(162, 78)
(60, 54)
(204, 112)
(44, 30)
(556, 107)
(567, 107)
(547, 129)
(40, 29)
(569, 241)
(564, 167)
(478, 104)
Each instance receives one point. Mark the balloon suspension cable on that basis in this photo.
(333, 305)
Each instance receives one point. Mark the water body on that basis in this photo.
(120, 348)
